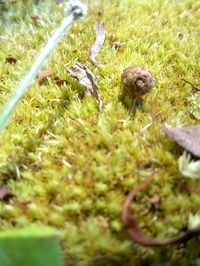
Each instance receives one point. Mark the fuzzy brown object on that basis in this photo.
(137, 81)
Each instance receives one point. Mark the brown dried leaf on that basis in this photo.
(187, 137)
(44, 74)
(88, 80)
(5, 193)
(155, 199)
(97, 45)
(35, 17)
(11, 60)
(117, 45)
(24, 203)
(60, 81)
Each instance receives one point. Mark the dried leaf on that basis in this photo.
(135, 233)
(117, 45)
(156, 199)
(24, 203)
(5, 193)
(187, 137)
(44, 74)
(97, 45)
(60, 81)
(35, 17)
(87, 79)
(11, 60)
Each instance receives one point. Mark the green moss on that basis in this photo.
(76, 166)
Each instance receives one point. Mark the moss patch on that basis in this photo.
(71, 167)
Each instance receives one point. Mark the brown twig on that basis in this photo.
(134, 232)
(193, 86)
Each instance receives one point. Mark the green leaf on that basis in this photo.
(33, 246)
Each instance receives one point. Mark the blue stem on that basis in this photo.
(30, 77)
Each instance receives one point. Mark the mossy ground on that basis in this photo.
(76, 165)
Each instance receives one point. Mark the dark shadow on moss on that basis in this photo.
(131, 104)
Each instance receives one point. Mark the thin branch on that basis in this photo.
(193, 86)
(135, 233)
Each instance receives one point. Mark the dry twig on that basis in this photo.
(193, 86)
(134, 232)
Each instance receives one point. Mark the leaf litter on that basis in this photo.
(97, 45)
(88, 80)
(44, 74)
(187, 137)
(60, 81)
(118, 44)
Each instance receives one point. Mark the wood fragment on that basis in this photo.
(134, 232)
(187, 137)
(97, 45)
(88, 80)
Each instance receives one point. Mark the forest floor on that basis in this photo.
(71, 166)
